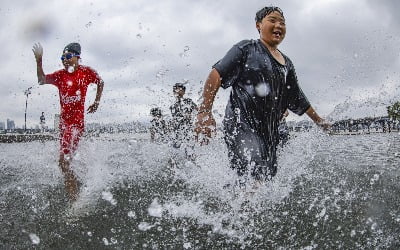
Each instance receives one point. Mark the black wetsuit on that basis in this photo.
(262, 90)
(158, 129)
(283, 131)
(42, 119)
(182, 112)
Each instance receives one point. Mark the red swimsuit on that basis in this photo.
(72, 89)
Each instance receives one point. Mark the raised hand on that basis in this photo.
(38, 51)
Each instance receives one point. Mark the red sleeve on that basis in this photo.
(94, 76)
(53, 78)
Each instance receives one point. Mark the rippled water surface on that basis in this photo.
(330, 192)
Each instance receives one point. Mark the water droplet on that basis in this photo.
(138, 36)
(161, 73)
(262, 89)
(34, 238)
(131, 214)
(106, 195)
(71, 69)
(155, 209)
(185, 52)
(144, 226)
(88, 24)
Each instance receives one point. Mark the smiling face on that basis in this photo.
(272, 29)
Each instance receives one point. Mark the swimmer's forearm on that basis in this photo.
(99, 92)
(40, 73)
(314, 116)
(211, 86)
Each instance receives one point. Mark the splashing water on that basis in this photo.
(185, 52)
(71, 69)
(328, 192)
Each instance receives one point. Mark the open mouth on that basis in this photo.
(277, 33)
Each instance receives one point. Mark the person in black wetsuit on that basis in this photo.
(283, 130)
(158, 126)
(182, 111)
(43, 122)
(264, 85)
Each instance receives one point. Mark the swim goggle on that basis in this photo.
(68, 56)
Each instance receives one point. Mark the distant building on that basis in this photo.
(10, 124)
(2, 126)
(56, 122)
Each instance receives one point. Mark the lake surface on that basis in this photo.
(330, 192)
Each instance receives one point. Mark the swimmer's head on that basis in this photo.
(74, 48)
(266, 11)
(179, 89)
(156, 112)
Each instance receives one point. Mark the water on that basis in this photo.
(330, 192)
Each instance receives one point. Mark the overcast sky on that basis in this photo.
(346, 52)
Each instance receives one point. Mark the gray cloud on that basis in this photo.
(342, 50)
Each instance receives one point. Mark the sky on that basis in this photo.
(346, 52)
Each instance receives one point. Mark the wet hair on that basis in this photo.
(74, 48)
(266, 11)
(156, 112)
(180, 85)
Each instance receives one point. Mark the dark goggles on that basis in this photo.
(68, 56)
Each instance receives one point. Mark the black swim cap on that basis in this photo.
(73, 47)
(266, 11)
(179, 85)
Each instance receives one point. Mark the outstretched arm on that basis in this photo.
(205, 124)
(317, 119)
(38, 53)
(92, 108)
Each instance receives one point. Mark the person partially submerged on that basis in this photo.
(72, 83)
(264, 85)
(182, 112)
(158, 126)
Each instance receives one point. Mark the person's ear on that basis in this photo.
(258, 26)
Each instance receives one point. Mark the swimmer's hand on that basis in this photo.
(38, 52)
(325, 125)
(93, 108)
(205, 127)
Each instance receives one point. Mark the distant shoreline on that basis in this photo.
(11, 138)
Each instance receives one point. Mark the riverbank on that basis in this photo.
(363, 132)
(11, 138)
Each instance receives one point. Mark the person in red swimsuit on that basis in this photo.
(72, 83)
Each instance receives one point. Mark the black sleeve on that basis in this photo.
(229, 67)
(297, 101)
